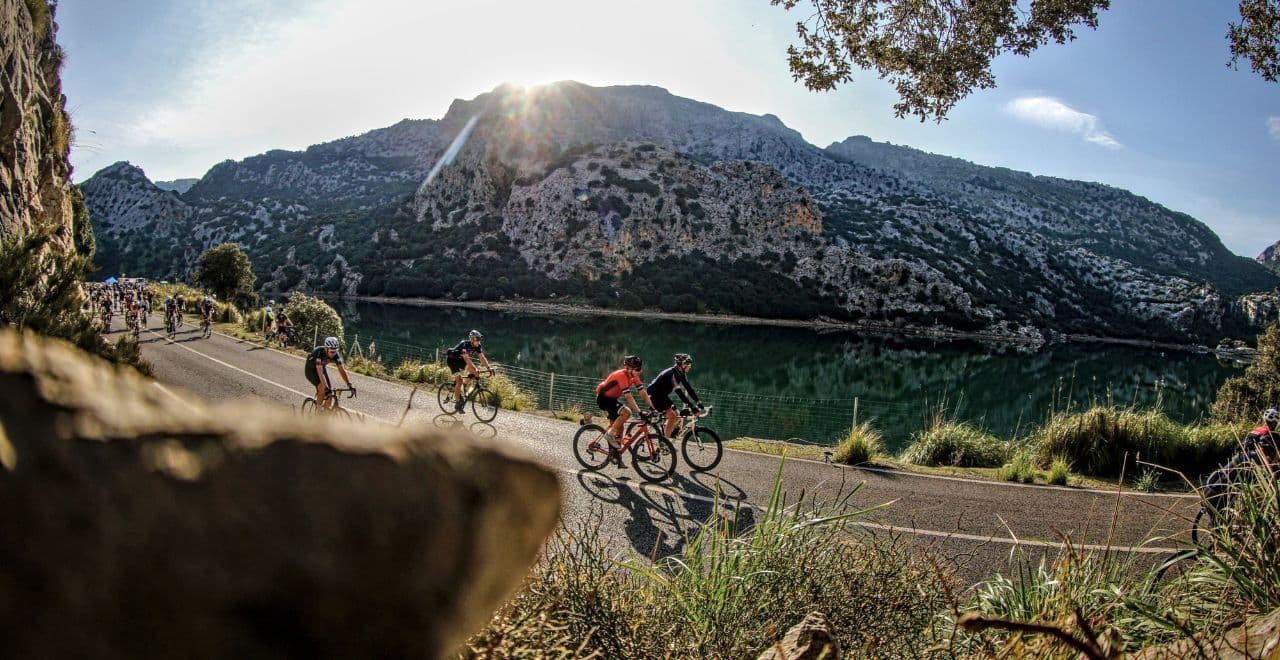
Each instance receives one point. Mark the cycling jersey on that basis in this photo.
(617, 383)
(464, 348)
(320, 355)
(671, 379)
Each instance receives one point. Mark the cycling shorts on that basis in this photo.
(609, 405)
(456, 365)
(661, 402)
(313, 378)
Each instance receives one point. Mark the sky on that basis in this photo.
(1145, 103)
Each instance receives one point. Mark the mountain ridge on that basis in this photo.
(592, 192)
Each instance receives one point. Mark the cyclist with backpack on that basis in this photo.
(609, 395)
(673, 379)
(459, 359)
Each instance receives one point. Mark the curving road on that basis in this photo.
(976, 523)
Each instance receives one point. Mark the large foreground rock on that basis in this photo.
(136, 524)
(1259, 637)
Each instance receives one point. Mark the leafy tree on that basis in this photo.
(1243, 398)
(313, 318)
(937, 52)
(225, 270)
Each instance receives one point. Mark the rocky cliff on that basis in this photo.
(632, 196)
(35, 134)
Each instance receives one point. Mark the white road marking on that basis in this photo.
(234, 367)
(704, 498)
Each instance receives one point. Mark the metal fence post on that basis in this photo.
(437, 355)
(855, 412)
(551, 393)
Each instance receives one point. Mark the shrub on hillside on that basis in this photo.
(1242, 399)
(314, 319)
(955, 443)
(861, 445)
(40, 292)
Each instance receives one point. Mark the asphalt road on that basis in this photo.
(977, 523)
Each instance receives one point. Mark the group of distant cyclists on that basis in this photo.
(135, 301)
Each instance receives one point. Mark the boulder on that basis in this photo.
(1259, 637)
(137, 523)
(811, 639)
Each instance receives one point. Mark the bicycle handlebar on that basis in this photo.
(339, 390)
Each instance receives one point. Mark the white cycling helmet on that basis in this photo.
(475, 334)
(1271, 416)
(331, 342)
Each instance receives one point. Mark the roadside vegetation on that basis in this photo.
(728, 589)
(733, 585)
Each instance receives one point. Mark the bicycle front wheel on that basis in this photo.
(444, 396)
(702, 450)
(654, 458)
(308, 406)
(485, 405)
(591, 447)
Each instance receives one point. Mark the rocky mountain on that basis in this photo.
(1270, 257)
(177, 185)
(631, 196)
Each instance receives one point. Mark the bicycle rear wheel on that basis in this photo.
(654, 458)
(444, 396)
(485, 405)
(591, 447)
(702, 450)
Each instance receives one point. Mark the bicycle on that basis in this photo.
(280, 336)
(309, 404)
(171, 325)
(131, 322)
(700, 446)
(206, 326)
(484, 401)
(652, 456)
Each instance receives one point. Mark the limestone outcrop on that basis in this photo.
(811, 639)
(137, 523)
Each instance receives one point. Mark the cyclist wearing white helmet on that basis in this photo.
(460, 358)
(318, 376)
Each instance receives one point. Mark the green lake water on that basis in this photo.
(793, 383)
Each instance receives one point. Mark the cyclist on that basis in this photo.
(459, 360)
(284, 327)
(170, 310)
(609, 395)
(180, 306)
(206, 308)
(318, 376)
(268, 316)
(673, 379)
(1259, 447)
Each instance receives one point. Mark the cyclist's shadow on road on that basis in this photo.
(451, 423)
(661, 521)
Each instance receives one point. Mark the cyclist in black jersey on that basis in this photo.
(318, 376)
(459, 359)
(673, 379)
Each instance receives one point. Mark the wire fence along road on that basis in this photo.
(737, 414)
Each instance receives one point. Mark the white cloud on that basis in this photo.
(1273, 127)
(1048, 112)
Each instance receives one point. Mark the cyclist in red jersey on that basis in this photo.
(609, 397)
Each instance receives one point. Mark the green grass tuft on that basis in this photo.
(1021, 468)
(861, 445)
(955, 443)
(1059, 471)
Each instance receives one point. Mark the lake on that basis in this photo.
(794, 383)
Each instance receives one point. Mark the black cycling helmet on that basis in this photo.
(683, 359)
(633, 362)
